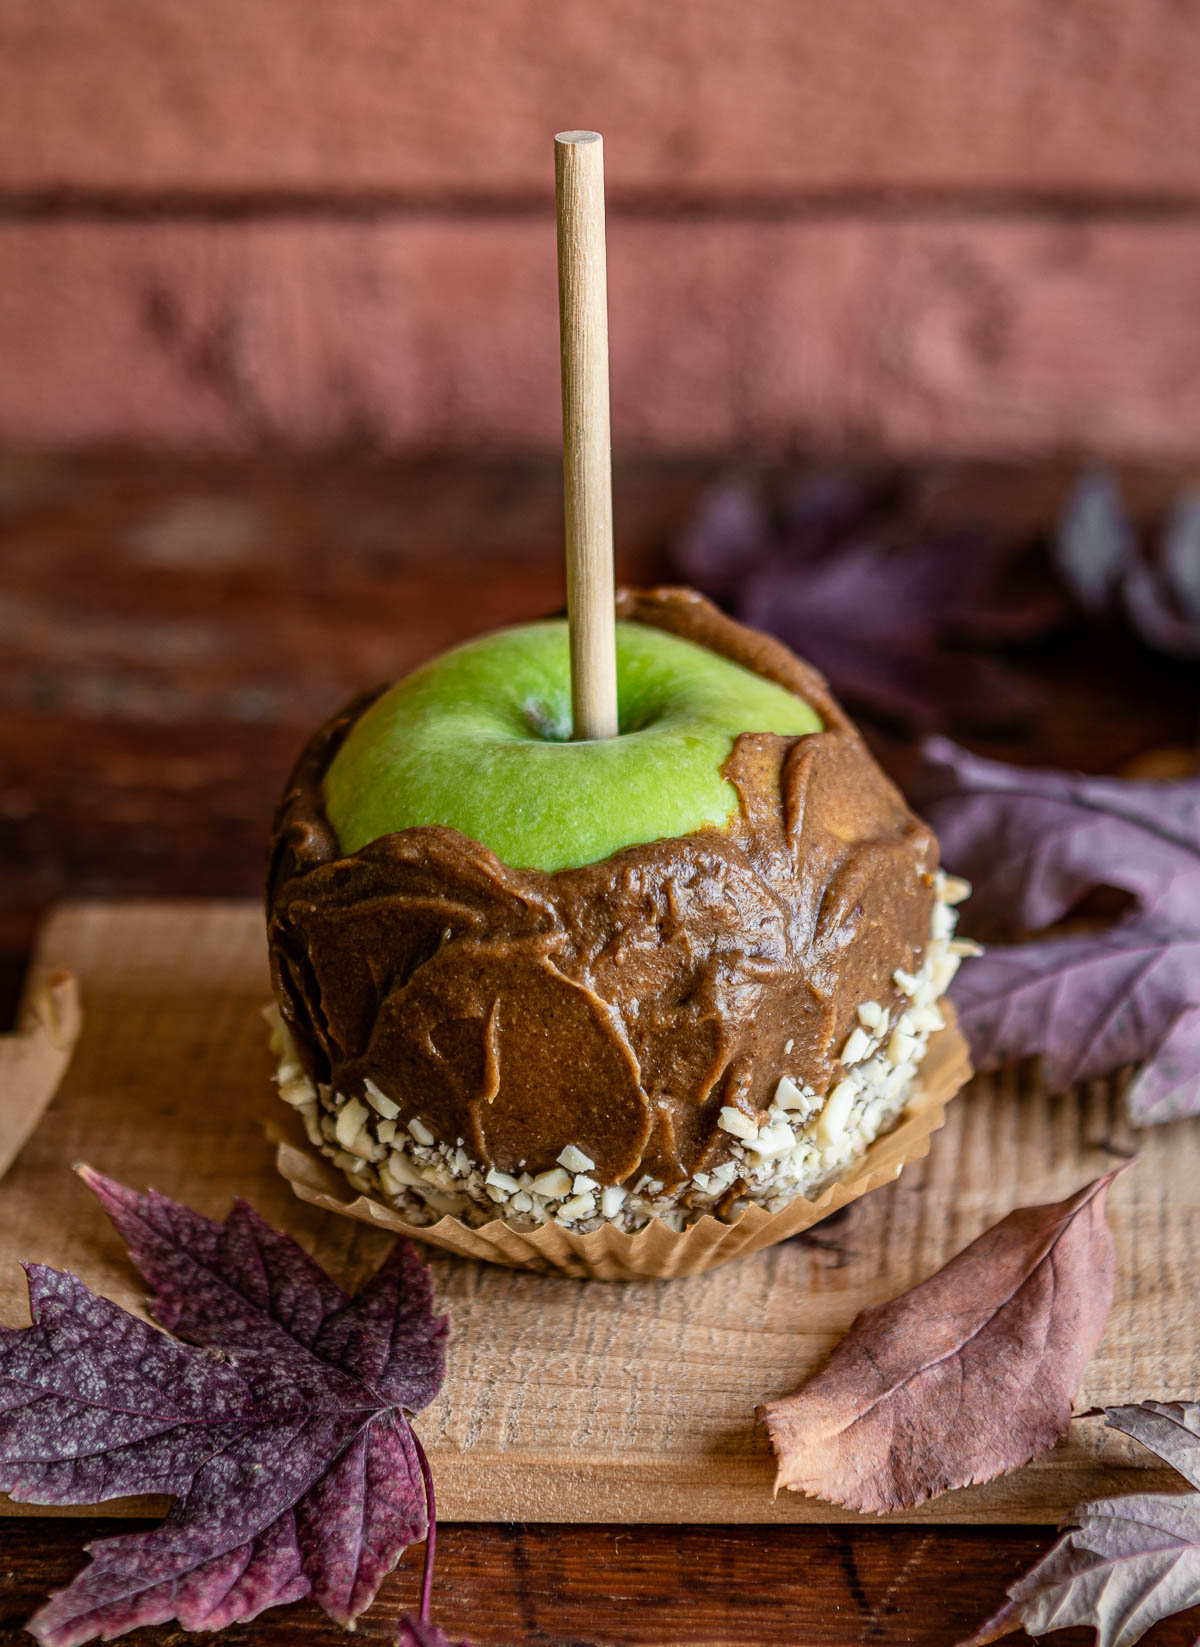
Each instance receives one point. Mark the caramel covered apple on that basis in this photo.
(507, 989)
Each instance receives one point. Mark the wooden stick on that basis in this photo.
(587, 454)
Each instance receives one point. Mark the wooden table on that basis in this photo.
(170, 631)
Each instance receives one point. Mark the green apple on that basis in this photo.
(480, 739)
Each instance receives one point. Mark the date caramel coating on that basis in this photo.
(620, 1005)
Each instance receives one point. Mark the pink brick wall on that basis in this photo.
(928, 226)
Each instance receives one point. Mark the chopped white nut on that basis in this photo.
(943, 921)
(298, 1090)
(901, 1047)
(872, 1015)
(579, 1206)
(922, 1020)
(789, 1096)
(350, 1121)
(954, 889)
(612, 1199)
(391, 1186)
(583, 1185)
(778, 1140)
(787, 1047)
(502, 1181)
(421, 1132)
(554, 1184)
(964, 946)
(404, 1170)
(449, 1205)
(857, 1046)
(896, 1083)
(522, 1201)
(942, 970)
(380, 1101)
(574, 1160)
(733, 1121)
(832, 1120)
(906, 982)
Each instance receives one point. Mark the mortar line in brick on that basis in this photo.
(835, 205)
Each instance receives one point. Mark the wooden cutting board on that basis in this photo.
(595, 1401)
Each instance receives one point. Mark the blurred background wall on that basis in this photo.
(962, 226)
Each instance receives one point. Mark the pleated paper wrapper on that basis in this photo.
(654, 1252)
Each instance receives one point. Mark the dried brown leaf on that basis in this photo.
(1123, 1563)
(968, 1375)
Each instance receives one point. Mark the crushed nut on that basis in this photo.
(872, 1016)
(857, 1046)
(380, 1101)
(352, 1117)
(789, 1096)
(901, 1048)
(555, 1183)
(502, 1181)
(832, 1119)
(733, 1121)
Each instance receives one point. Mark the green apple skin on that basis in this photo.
(479, 740)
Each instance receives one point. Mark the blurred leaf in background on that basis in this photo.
(924, 627)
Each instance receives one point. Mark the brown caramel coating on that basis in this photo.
(618, 1006)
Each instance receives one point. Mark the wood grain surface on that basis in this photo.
(598, 1401)
(527, 1586)
(171, 630)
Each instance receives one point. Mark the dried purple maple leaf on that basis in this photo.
(895, 619)
(968, 1375)
(1034, 843)
(417, 1632)
(281, 1435)
(1123, 1563)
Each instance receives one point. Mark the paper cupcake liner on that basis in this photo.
(653, 1253)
